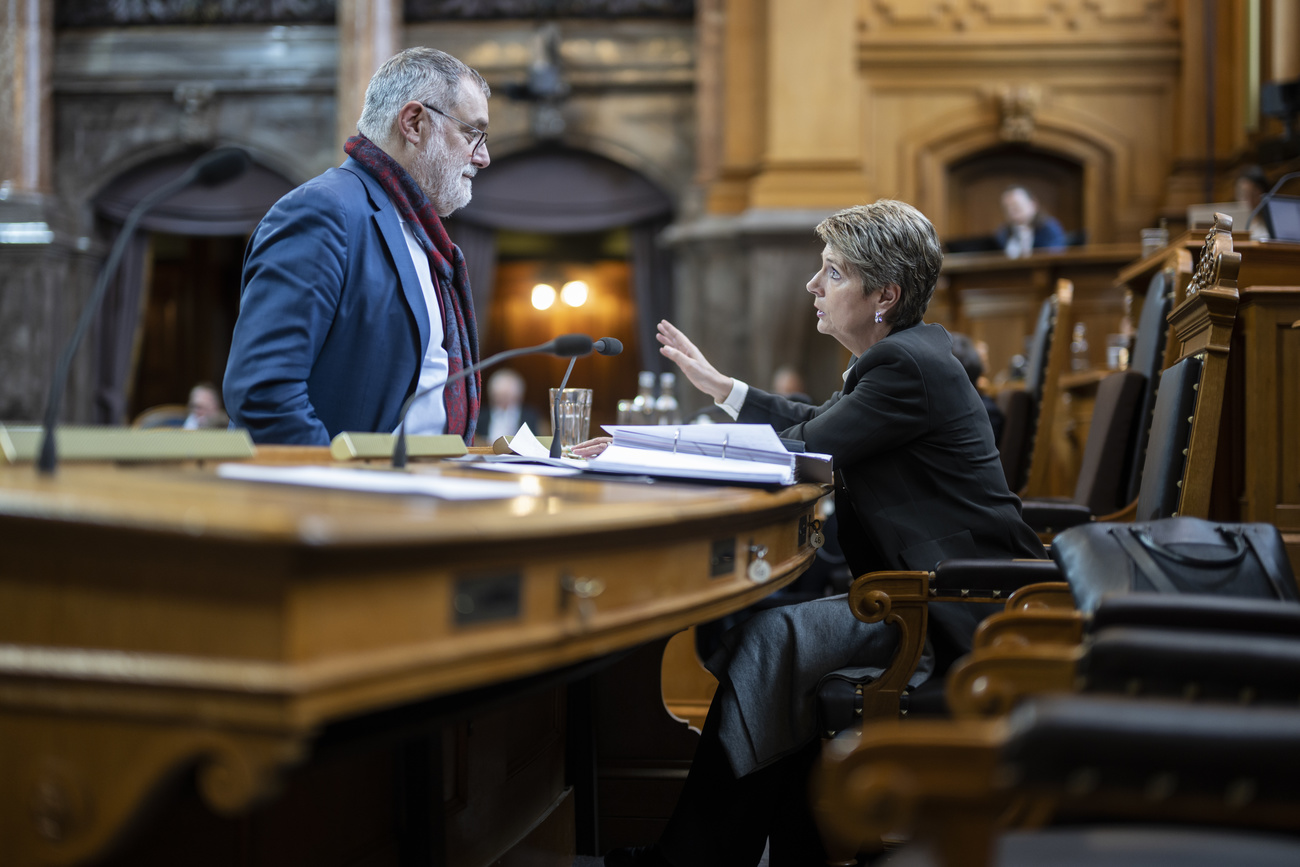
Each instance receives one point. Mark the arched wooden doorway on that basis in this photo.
(975, 185)
(555, 214)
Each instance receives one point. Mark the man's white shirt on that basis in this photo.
(428, 415)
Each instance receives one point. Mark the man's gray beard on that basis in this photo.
(437, 174)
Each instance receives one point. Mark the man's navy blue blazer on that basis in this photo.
(332, 325)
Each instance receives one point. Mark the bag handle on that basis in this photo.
(1142, 560)
(1239, 549)
(1266, 555)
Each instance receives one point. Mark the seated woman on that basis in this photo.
(918, 480)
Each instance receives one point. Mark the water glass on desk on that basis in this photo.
(570, 416)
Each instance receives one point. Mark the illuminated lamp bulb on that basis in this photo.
(574, 293)
(543, 296)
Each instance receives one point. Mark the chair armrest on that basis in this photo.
(1015, 629)
(1181, 664)
(886, 778)
(982, 580)
(1053, 595)
(1200, 612)
(899, 599)
(991, 683)
(1126, 515)
(1046, 516)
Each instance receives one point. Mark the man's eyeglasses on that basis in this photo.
(481, 136)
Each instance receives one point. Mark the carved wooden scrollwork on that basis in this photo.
(1218, 265)
(79, 780)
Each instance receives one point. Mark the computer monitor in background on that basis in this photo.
(1202, 216)
(1283, 216)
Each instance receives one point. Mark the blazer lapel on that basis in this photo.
(390, 230)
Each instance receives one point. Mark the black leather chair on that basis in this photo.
(1075, 779)
(1022, 406)
(1150, 344)
(1102, 486)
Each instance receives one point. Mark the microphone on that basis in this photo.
(605, 346)
(565, 346)
(215, 167)
(608, 346)
(1267, 197)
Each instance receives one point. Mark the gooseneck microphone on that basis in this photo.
(214, 167)
(1268, 197)
(565, 346)
(605, 346)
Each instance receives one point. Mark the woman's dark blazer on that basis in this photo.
(913, 450)
(918, 480)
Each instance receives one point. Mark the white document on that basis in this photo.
(524, 443)
(528, 468)
(723, 452)
(374, 481)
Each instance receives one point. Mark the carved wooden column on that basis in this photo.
(1283, 34)
(813, 154)
(369, 32)
(742, 60)
(26, 50)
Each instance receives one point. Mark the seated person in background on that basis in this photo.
(1027, 229)
(788, 383)
(205, 409)
(1248, 189)
(918, 480)
(972, 359)
(505, 408)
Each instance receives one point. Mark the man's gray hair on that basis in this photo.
(420, 74)
(888, 242)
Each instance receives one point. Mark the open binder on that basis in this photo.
(718, 452)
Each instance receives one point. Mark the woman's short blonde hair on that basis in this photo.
(888, 242)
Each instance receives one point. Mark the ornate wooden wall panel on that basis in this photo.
(1093, 83)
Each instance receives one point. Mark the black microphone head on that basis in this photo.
(571, 345)
(221, 165)
(608, 346)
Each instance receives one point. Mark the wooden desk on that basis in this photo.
(1257, 467)
(169, 636)
(996, 299)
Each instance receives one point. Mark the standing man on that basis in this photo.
(353, 296)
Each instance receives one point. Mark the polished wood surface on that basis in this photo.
(1260, 454)
(158, 617)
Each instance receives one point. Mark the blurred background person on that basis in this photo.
(506, 409)
(1248, 189)
(1026, 228)
(205, 409)
(788, 382)
(972, 356)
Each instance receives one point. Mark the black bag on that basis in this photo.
(1174, 555)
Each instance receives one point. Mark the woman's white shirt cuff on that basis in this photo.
(739, 391)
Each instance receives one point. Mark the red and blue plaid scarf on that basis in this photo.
(455, 302)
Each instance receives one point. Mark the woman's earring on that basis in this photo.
(880, 317)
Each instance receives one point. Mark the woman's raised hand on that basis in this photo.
(678, 349)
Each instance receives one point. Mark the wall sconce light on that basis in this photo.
(574, 293)
(543, 296)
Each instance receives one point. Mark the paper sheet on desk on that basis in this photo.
(374, 481)
(525, 445)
